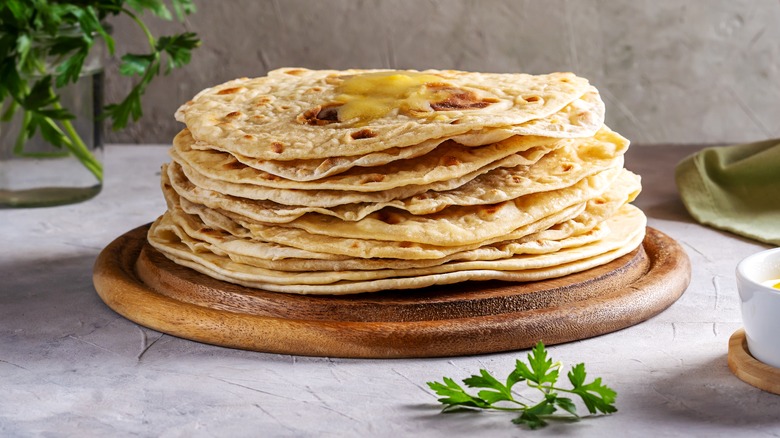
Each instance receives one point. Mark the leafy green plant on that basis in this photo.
(44, 45)
(540, 374)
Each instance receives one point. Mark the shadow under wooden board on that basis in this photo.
(139, 283)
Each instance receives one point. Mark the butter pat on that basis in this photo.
(374, 95)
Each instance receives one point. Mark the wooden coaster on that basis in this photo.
(141, 284)
(749, 369)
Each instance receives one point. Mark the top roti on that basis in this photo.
(306, 114)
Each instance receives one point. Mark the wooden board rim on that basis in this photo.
(120, 288)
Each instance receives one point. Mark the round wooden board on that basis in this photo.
(749, 369)
(139, 283)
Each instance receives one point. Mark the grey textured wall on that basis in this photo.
(669, 70)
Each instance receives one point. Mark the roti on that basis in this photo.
(448, 161)
(627, 231)
(300, 114)
(558, 224)
(567, 123)
(555, 170)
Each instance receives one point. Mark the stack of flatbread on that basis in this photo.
(340, 182)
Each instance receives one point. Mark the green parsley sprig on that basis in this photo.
(44, 45)
(541, 374)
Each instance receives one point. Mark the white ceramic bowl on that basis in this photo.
(761, 304)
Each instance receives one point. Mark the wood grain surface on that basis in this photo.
(749, 369)
(468, 318)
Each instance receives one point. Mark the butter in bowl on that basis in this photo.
(775, 283)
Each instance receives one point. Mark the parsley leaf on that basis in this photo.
(128, 108)
(454, 396)
(485, 380)
(156, 7)
(541, 369)
(183, 8)
(534, 416)
(178, 48)
(133, 64)
(596, 396)
(540, 373)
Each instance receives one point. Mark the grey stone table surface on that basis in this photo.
(70, 366)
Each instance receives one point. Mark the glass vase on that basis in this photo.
(39, 174)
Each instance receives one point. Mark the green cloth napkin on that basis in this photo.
(735, 188)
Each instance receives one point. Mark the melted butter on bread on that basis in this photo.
(372, 96)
